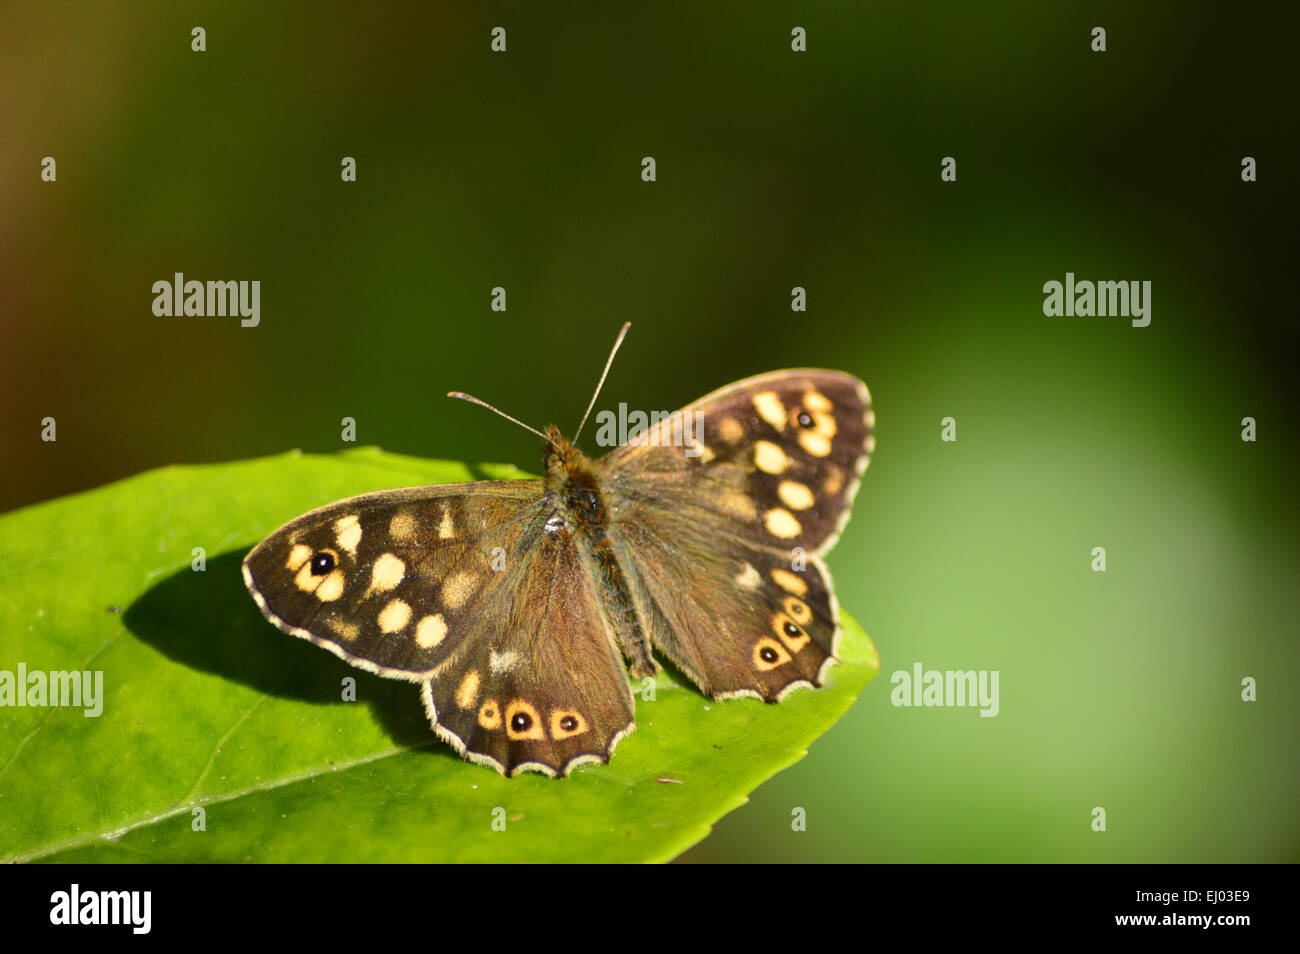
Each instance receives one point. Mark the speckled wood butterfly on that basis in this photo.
(516, 603)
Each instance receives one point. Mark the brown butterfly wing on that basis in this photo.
(541, 684)
(774, 459)
(464, 588)
(720, 518)
(736, 620)
(395, 593)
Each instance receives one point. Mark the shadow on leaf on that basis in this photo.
(209, 622)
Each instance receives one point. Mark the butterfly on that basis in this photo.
(521, 607)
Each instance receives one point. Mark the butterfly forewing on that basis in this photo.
(388, 581)
(774, 459)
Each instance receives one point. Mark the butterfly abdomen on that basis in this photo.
(572, 480)
(617, 598)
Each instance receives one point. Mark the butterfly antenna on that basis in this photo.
(613, 351)
(462, 396)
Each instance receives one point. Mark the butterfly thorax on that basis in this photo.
(571, 480)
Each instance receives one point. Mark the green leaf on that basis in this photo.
(206, 706)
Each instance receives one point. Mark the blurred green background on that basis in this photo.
(820, 169)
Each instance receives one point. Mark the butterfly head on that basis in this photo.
(561, 452)
(569, 476)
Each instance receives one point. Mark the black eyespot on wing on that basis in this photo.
(322, 562)
(521, 721)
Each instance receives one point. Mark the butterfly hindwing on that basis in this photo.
(737, 620)
(539, 683)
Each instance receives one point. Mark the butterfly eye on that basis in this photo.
(588, 502)
(322, 562)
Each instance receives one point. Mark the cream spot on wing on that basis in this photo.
(815, 443)
(781, 523)
(502, 662)
(797, 610)
(306, 580)
(816, 401)
(386, 574)
(347, 531)
(748, 577)
(824, 424)
(467, 692)
(430, 631)
(489, 714)
(297, 557)
(834, 481)
(394, 616)
(795, 495)
(770, 408)
(869, 419)
(870, 443)
(446, 530)
(458, 588)
(402, 527)
(344, 629)
(769, 458)
(332, 588)
(737, 505)
(729, 430)
(789, 582)
(695, 450)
